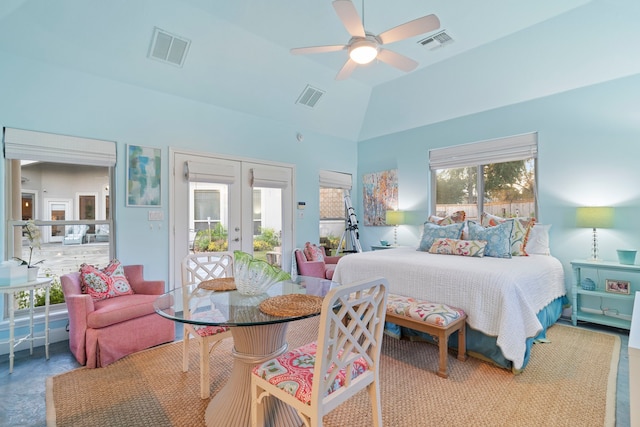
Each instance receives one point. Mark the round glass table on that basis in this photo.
(257, 337)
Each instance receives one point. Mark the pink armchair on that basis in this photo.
(323, 269)
(101, 332)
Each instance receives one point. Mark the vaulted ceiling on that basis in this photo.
(503, 52)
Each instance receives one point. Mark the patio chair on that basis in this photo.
(318, 377)
(197, 268)
(74, 234)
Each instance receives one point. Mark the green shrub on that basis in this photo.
(266, 240)
(210, 238)
(55, 296)
(261, 246)
(218, 246)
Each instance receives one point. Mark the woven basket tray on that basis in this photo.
(291, 305)
(221, 284)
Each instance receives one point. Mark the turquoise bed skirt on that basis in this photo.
(485, 347)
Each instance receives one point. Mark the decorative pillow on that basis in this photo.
(120, 283)
(498, 238)
(432, 232)
(520, 234)
(458, 216)
(473, 248)
(538, 242)
(102, 284)
(312, 252)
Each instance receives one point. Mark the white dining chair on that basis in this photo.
(197, 268)
(318, 377)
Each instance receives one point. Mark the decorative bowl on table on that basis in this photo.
(254, 276)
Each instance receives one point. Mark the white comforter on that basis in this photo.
(500, 296)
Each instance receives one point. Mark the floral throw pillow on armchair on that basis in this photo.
(312, 252)
(109, 282)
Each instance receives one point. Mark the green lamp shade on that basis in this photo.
(594, 217)
(394, 218)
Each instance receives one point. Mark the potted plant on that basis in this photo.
(33, 235)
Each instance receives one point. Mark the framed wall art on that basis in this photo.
(144, 170)
(380, 195)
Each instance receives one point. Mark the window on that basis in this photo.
(62, 183)
(496, 176)
(334, 186)
(206, 208)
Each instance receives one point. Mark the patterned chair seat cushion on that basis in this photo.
(428, 312)
(211, 316)
(293, 372)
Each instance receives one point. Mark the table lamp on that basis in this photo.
(594, 217)
(395, 218)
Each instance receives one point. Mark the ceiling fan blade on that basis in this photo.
(317, 49)
(348, 14)
(422, 25)
(347, 69)
(396, 60)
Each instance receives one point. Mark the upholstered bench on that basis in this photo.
(435, 319)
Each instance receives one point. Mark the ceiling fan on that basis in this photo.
(364, 47)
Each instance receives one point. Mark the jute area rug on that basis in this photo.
(570, 381)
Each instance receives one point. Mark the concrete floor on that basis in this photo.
(22, 393)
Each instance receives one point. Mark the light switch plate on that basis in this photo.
(156, 216)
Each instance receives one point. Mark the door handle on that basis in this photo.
(237, 239)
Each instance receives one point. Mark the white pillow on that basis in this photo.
(538, 242)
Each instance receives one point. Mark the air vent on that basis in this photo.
(310, 96)
(168, 48)
(436, 41)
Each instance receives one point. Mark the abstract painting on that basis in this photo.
(144, 166)
(380, 195)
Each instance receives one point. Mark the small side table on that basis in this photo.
(11, 291)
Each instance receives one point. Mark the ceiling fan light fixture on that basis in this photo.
(363, 51)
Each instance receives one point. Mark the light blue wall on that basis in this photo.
(588, 151)
(589, 146)
(41, 97)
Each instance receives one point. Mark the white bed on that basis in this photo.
(503, 298)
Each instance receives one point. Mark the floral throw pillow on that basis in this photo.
(102, 284)
(498, 238)
(312, 252)
(473, 248)
(520, 234)
(458, 216)
(121, 285)
(432, 232)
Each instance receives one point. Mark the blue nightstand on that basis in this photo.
(607, 308)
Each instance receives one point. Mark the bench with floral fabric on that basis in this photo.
(435, 319)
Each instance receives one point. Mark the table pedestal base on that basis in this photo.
(231, 406)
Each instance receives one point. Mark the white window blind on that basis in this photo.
(212, 171)
(508, 149)
(270, 178)
(20, 144)
(331, 179)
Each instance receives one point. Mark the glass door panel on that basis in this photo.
(267, 224)
(206, 207)
(57, 211)
(87, 210)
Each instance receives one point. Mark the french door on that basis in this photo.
(221, 204)
(56, 210)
